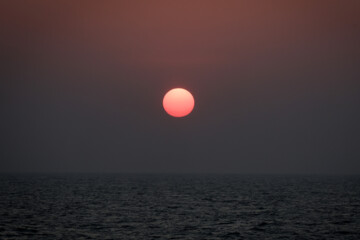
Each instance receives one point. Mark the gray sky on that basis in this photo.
(276, 86)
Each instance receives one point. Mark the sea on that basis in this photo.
(178, 206)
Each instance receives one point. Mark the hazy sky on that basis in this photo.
(276, 85)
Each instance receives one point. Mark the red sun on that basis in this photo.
(178, 102)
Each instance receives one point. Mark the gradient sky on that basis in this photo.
(276, 85)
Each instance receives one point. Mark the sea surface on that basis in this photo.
(140, 206)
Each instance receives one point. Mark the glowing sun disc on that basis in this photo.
(178, 102)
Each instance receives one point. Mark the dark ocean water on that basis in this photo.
(179, 207)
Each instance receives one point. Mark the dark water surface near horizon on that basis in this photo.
(90, 206)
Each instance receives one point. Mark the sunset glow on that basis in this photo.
(178, 102)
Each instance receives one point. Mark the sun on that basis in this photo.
(178, 102)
